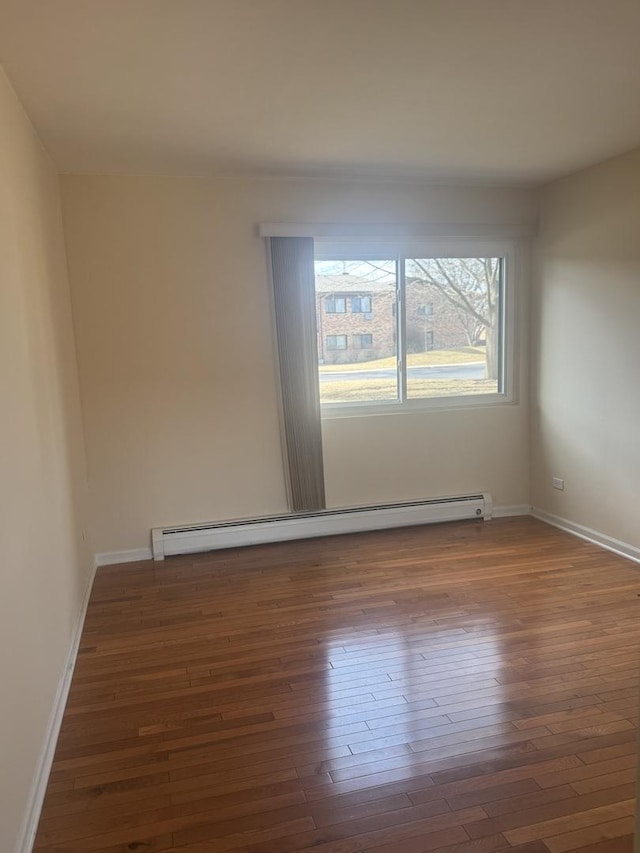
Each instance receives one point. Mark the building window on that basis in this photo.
(336, 305)
(361, 305)
(363, 341)
(336, 341)
(398, 366)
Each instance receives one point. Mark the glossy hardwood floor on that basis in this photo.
(466, 687)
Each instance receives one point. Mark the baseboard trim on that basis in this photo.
(623, 549)
(27, 836)
(112, 558)
(512, 510)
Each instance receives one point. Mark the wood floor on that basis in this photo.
(462, 688)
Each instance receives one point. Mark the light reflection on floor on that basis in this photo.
(402, 698)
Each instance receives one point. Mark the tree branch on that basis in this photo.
(466, 305)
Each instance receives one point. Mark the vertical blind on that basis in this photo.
(294, 302)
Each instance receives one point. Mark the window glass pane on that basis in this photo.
(335, 305)
(361, 305)
(356, 321)
(453, 323)
(336, 341)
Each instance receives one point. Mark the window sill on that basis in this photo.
(331, 411)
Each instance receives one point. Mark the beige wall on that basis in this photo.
(172, 308)
(586, 413)
(44, 565)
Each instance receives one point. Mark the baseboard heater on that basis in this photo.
(190, 539)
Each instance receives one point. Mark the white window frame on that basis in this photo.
(438, 247)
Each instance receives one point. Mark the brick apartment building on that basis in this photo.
(356, 319)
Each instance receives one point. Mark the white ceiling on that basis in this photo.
(482, 90)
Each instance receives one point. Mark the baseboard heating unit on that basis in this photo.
(191, 539)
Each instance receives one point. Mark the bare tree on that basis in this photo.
(472, 286)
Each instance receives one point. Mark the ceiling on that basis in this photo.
(470, 90)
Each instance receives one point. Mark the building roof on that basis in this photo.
(346, 283)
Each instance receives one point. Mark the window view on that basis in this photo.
(446, 314)
(357, 344)
(452, 318)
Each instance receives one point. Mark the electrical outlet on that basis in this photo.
(558, 483)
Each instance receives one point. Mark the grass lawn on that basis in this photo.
(385, 389)
(461, 355)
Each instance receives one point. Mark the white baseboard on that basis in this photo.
(623, 549)
(35, 801)
(112, 558)
(512, 510)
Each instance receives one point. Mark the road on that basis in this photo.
(469, 370)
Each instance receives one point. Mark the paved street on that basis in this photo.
(470, 370)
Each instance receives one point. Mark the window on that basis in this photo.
(336, 305)
(457, 294)
(363, 341)
(336, 341)
(361, 305)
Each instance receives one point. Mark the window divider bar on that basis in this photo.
(401, 350)
(502, 328)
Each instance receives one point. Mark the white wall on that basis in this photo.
(176, 358)
(429, 454)
(586, 413)
(44, 564)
